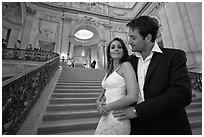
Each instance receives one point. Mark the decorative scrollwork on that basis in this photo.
(196, 81)
(19, 94)
(30, 11)
(159, 5)
(10, 113)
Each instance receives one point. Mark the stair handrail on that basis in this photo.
(20, 92)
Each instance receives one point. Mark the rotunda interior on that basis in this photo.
(55, 54)
(53, 26)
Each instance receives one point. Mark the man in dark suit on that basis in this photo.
(165, 88)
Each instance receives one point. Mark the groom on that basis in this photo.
(165, 88)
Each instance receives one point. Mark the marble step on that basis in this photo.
(84, 132)
(70, 111)
(78, 84)
(72, 100)
(77, 81)
(73, 126)
(79, 77)
(68, 115)
(196, 99)
(196, 123)
(196, 131)
(77, 87)
(72, 95)
(195, 118)
(63, 107)
(82, 75)
(58, 90)
(195, 105)
(55, 127)
(192, 113)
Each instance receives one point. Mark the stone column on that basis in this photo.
(70, 46)
(104, 53)
(28, 27)
(61, 33)
(101, 54)
(71, 51)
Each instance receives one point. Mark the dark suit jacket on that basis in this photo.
(167, 91)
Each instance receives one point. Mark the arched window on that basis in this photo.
(84, 34)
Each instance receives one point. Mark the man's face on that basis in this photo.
(136, 41)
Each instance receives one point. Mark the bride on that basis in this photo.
(120, 90)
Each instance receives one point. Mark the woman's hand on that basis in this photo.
(100, 108)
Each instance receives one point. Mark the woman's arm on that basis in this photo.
(131, 88)
(101, 95)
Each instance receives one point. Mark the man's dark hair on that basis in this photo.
(145, 25)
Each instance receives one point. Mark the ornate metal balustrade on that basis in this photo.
(196, 81)
(20, 92)
(24, 54)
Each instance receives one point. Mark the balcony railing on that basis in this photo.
(30, 55)
(20, 92)
(196, 81)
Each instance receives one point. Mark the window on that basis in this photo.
(84, 34)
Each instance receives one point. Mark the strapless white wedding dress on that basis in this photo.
(115, 89)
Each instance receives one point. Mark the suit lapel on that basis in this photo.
(134, 62)
(154, 61)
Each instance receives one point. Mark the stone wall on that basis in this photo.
(182, 29)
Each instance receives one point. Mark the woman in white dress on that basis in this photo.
(119, 91)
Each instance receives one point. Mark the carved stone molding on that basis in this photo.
(87, 20)
(119, 12)
(67, 20)
(12, 11)
(92, 6)
(47, 30)
(30, 11)
(52, 18)
(159, 5)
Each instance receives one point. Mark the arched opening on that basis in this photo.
(84, 34)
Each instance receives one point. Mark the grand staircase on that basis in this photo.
(71, 107)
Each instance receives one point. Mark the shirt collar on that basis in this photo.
(154, 49)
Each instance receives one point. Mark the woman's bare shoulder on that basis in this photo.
(126, 64)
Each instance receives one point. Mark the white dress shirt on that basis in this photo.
(142, 69)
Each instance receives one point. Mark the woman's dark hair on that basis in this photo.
(145, 25)
(124, 58)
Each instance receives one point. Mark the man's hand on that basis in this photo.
(125, 113)
(100, 108)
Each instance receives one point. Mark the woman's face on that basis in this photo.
(116, 50)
